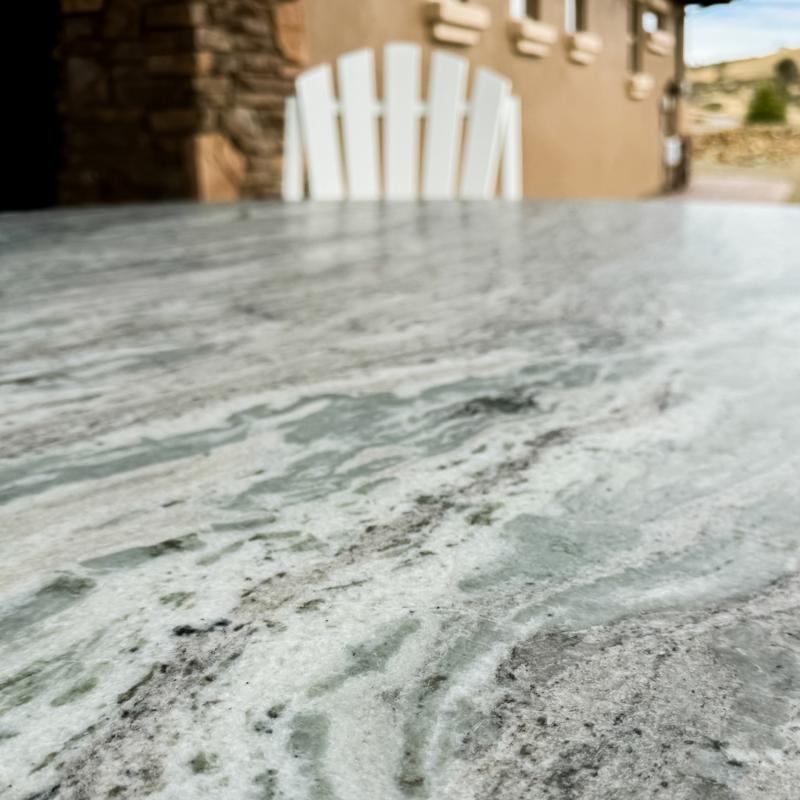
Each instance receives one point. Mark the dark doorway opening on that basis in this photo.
(29, 129)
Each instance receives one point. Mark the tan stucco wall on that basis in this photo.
(582, 136)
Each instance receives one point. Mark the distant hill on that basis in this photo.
(715, 112)
(750, 69)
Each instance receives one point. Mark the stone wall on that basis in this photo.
(164, 100)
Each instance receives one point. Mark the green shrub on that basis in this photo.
(713, 106)
(786, 71)
(768, 105)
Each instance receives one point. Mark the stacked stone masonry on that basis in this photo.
(164, 100)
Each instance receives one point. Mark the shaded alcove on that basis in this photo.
(29, 130)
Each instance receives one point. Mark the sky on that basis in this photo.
(743, 29)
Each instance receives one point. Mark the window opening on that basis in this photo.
(651, 22)
(524, 9)
(634, 37)
(576, 20)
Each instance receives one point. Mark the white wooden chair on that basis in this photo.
(312, 139)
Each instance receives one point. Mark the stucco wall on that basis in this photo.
(582, 135)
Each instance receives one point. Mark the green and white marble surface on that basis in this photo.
(366, 502)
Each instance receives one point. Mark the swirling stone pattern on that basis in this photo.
(365, 501)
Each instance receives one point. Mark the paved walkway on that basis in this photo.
(737, 188)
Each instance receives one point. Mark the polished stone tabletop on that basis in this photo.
(370, 502)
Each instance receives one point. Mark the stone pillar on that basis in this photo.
(258, 49)
(165, 100)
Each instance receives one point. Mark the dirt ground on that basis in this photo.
(758, 151)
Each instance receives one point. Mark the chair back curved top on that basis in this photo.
(337, 144)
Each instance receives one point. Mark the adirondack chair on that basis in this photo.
(311, 135)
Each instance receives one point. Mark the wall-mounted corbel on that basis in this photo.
(662, 43)
(640, 85)
(531, 37)
(583, 47)
(456, 23)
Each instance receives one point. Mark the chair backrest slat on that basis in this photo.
(360, 124)
(485, 135)
(512, 152)
(312, 137)
(401, 126)
(444, 126)
(292, 189)
(319, 125)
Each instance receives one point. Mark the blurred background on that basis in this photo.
(743, 96)
(111, 101)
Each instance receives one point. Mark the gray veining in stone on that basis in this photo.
(359, 502)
